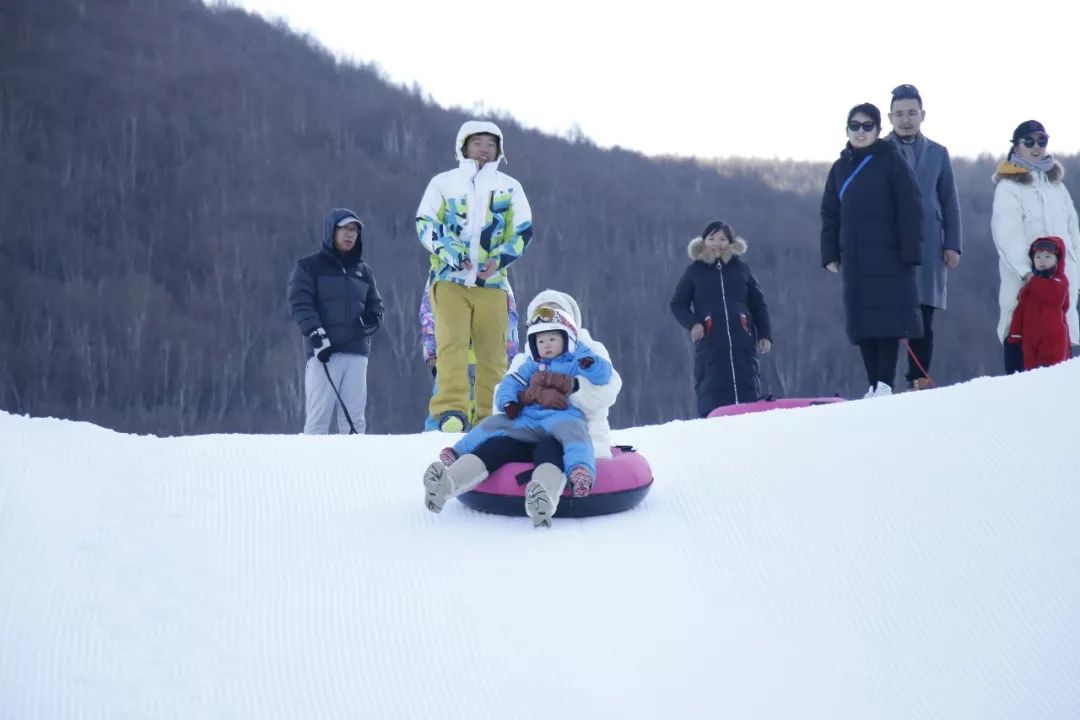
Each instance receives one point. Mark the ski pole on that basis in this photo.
(348, 418)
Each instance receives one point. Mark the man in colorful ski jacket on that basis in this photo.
(475, 221)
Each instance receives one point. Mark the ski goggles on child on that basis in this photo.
(1030, 140)
(554, 316)
(542, 314)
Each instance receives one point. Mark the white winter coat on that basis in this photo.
(1030, 205)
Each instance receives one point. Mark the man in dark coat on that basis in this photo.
(334, 301)
(942, 241)
(872, 225)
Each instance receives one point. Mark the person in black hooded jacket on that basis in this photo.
(719, 301)
(334, 301)
(872, 233)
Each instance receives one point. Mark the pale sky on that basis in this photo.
(761, 78)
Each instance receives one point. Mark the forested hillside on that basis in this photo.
(164, 163)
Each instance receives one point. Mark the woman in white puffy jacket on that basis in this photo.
(1031, 201)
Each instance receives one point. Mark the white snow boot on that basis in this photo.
(442, 483)
(542, 494)
(878, 390)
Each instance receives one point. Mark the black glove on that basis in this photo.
(367, 326)
(584, 356)
(512, 410)
(321, 345)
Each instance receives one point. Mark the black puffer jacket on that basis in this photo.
(724, 290)
(876, 233)
(336, 292)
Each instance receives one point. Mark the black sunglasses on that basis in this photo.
(854, 125)
(1029, 142)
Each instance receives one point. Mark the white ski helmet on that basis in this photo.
(550, 319)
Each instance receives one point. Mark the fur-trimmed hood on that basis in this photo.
(697, 250)
(1010, 171)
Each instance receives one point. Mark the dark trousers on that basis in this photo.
(499, 451)
(879, 358)
(1014, 358)
(923, 347)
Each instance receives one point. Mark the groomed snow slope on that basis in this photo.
(908, 557)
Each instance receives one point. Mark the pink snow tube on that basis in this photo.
(769, 404)
(622, 481)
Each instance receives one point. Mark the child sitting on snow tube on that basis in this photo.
(544, 451)
(535, 400)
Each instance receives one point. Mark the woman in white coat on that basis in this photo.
(1031, 201)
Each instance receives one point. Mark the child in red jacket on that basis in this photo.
(1038, 323)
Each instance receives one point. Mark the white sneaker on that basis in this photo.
(869, 393)
(882, 390)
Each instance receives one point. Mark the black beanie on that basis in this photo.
(1026, 128)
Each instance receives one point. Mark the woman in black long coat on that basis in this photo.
(719, 301)
(871, 233)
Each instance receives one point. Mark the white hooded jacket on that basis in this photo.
(593, 400)
(460, 204)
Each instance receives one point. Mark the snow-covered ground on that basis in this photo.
(908, 557)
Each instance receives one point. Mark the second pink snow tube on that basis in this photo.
(767, 404)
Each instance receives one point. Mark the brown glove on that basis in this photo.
(528, 396)
(552, 399)
(557, 381)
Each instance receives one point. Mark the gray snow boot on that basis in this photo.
(542, 494)
(442, 483)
